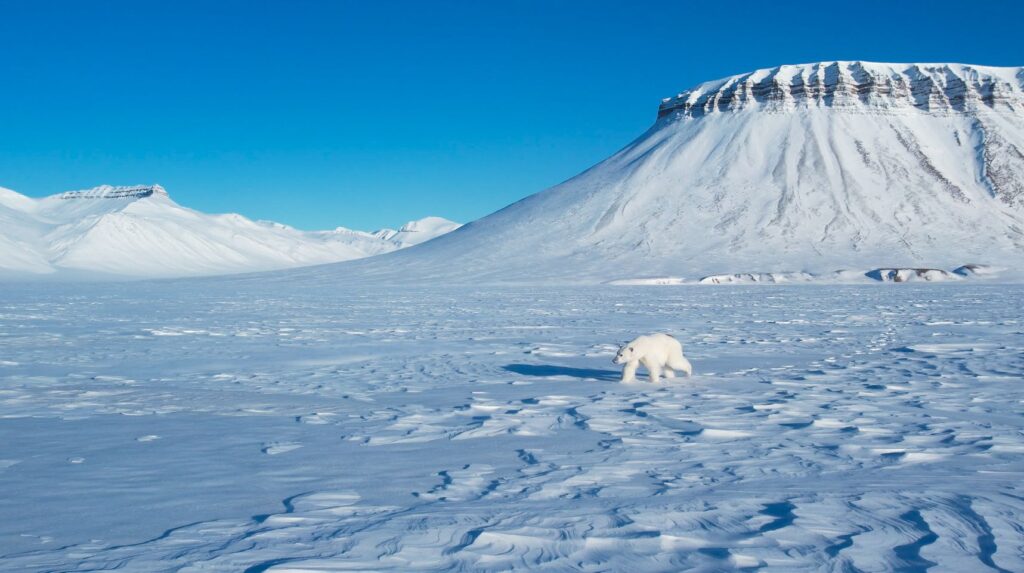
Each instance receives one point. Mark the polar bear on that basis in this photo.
(656, 352)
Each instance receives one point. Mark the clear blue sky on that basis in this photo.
(367, 114)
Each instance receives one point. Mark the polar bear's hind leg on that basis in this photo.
(682, 364)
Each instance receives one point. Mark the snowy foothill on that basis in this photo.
(225, 424)
(139, 231)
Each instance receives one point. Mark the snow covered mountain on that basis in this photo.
(139, 231)
(418, 231)
(815, 167)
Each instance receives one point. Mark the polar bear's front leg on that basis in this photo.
(629, 372)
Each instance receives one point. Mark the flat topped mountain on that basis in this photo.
(941, 88)
(810, 168)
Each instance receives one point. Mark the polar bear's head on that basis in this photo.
(625, 354)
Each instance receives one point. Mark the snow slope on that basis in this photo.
(140, 232)
(816, 167)
(223, 425)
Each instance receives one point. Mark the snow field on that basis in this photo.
(197, 426)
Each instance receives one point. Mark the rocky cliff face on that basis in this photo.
(939, 88)
(874, 88)
(115, 192)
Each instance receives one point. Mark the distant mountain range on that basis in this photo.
(782, 174)
(139, 231)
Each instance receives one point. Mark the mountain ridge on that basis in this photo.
(949, 88)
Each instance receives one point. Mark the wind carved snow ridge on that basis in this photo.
(936, 88)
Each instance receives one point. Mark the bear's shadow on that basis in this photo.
(545, 370)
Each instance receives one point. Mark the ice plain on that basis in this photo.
(227, 425)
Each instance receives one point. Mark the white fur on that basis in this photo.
(657, 352)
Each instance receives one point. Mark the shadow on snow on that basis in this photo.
(546, 370)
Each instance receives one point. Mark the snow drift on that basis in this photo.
(805, 168)
(139, 231)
